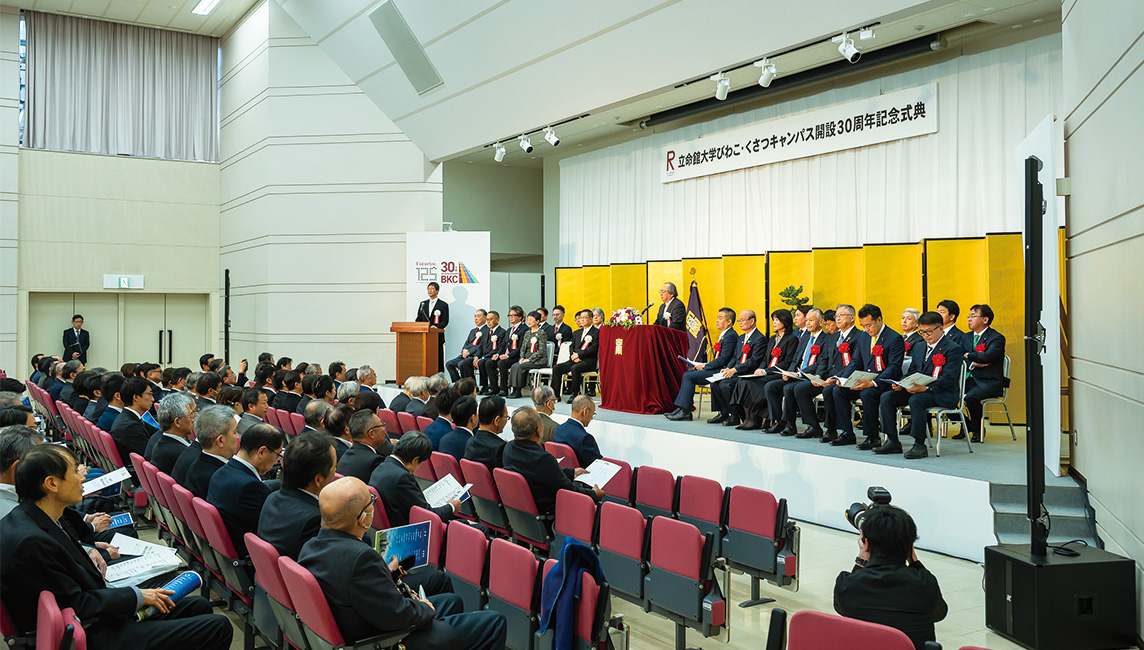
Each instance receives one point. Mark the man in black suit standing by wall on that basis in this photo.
(436, 313)
(76, 341)
(672, 313)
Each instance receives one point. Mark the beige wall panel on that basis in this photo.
(100, 313)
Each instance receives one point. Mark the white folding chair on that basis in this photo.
(1001, 401)
(536, 374)
(949, 415)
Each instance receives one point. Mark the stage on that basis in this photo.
(953, 498)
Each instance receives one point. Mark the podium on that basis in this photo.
(418, 346)
(639, 368)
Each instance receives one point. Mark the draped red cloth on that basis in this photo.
(642, 373)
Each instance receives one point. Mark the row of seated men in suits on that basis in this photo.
(751, 393)
(504, 356)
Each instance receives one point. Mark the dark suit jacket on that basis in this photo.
(270, 395)
(131, 435)
(78, 402)
(239, 496)
(505, 343)
(73, 345)
(360, 460)
(890, 593)
(399, 402)
(200, 473)
(591, 352)
(302, 402)
(914, 339)
(437, 430)
(289, 519)
(485, 447)
(795, 364)
(426, 316)
(67, 393)
(166, 453)
(837, 360)
(490, 347)
(549, 331)
(893, 351)
(107, 418)
(94, 410)
(948, 384)
(677, 313)
(341, 445)
(787, 348)
(455, 441)
(543, 473)
(724, 350)
(481, 341)
(37, 555)
(246, 421)
(430, 411)
(363, 597)
(573, 434)
(991, 378)
(186, 458)
(756, 350)
(288, 402)
(203, 402)
(415, 406)
(399, 491)
(56, 387)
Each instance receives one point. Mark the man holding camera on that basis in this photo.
(888, 584)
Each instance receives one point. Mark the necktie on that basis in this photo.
(873, 341)
(976, 338)
(929, 351)
(806, 353)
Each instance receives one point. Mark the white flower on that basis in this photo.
(437, 312)
(588, 339)
(514, 337)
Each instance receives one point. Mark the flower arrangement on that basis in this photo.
(625, 317)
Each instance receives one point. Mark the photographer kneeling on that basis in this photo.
(888, 584)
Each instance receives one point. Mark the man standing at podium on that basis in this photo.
(436, 313)
(672, 313)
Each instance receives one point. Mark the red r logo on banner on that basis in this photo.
(670, 158)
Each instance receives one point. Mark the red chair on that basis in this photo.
(317, 620)
(528, 524)
(701, 504)
(443, 465)
(380, 516)
(466, 557)
(297, 422)
(622, 548)
(406, 422)
(759, 539)
(485, 497)
(183, 507)
(389, 419)
(680, 582)
(56, 629)
(234, 571)
(423, 422)
(425, 474)
(417, 514)
(157, 508)
(268, 575)
(575, 517)
(512, 591)
(619, 489)
(272, 418)
(592, 611)
(563, 453)
(654, 491)
(815, 630)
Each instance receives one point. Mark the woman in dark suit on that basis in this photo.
(749, 394)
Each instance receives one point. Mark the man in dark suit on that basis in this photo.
(371, 446)
(880, 350)
(950, 311)
(464, 415)
(724, 351)
(672, 313)
(940, 358)
(393, 479)
(985, 352)
(476, 343)
(129, 431)
(561, 333)
(37, 553)
(838, 348)
(287, 399)
(206, 389)
(525, 456)
(237, 489)
(360, 590)
(486, 446)
(418, 388)
(574, 432)
(435, 312)
(254, 408)
(177, 423)
(402, 400)
(507, 354)
(807, 359)
(264, 381)
(549, 331)
(443, 424)
(216, 441)
(584, 356)
(109, 388)
(80, 395)
(64, 390)
(485, 362)
(290, 516)
(76, 341)
(749, 351)
(799, 315)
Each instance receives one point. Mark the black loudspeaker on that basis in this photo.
(1086, 602)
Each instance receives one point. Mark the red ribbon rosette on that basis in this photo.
(776, 352)
(938, 360)
(718, 346)
(908, 346)
(815, 350)
(877, 350)
(747, 349)
(980, 347)
(844, 348)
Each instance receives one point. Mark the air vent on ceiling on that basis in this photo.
(406, 50)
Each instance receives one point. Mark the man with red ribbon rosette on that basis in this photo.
(941, 358)
(830, 364)
(724, 350)
(749, 400)
(910, 330)
(436, 313)
(749, 351)
(487, 362)
(476, 345)
(808, 359)
(584, 357)
(985, 353)
(880, 350)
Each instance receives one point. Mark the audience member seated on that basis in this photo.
(985, 352)
(436, 384)
(315, 418)
(129, 431)
(487, 362)
(348, 391)
(254, 408)
(63, 387)
(583, 356)
(364, 599)
(230, 396)
(38, 554)
(206, 389)
(574, 431)
(15, 441)
(337, 371)
(237, 490)
(367, 379)
(418, 388)
(110, 386)
(749, 400)
(402, 400)
(307, 386)
(443, 423)
(533, 355)
(264, 381)
(80, 396)
(888, 585)
(880, 350)
(910, 328)
(467, 387)
(525, 456)
(724, 352)
(464, 416)
(36, 374)
(476, 345)
(290, 515)
(393, 479)
(98, 405)
(486, 446)
(544, 401)
(177, 413)
(287, 399)
(370, 444)
(560, 331)
(841, 346)
(18, 415)
(216, 434)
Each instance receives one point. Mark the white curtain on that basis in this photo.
(103, 87)
(962, 181)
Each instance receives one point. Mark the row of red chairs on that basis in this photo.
(396, 424)
(818, 631)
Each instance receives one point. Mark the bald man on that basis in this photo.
(360, 590)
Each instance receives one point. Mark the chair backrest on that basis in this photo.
(585, 614)
(272, 417)
(407, 422)
(423, 422)
(514, 491)
(575, 515)
(655, 487)
(563, 453)
(309, 601)
(425, 471)
(184, 508)
(267, 573)
(677, 546)
(512, 574)
(701, 498)
(445, 464)
(392, 426)
(466, 551)
(298, 422)
(52, 623)
(137, 464)
(1005, 384)
(216, 533)
(417, 514)
(380, 516)
(818, 631)
(478, 474)
(620, 487)
(111, 451)
(752, 511)
(622, 530)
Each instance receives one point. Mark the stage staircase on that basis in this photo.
(1070, 515)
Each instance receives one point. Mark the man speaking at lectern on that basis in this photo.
(436, 313)
(672, 313)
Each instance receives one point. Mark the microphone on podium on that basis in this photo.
(647, 308)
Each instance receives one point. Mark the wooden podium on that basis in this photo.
(418, 346)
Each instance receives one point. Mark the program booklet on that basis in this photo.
(855, 377)
(916, 379)
(403, 541)
(447, 488)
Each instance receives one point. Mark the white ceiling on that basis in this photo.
(165, 14)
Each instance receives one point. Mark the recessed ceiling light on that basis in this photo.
(1038, 21)
(1018, 26)
(204, 7)
(970, 15)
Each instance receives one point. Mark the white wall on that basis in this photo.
(318, 190)
(9, 182)
(1104, 88)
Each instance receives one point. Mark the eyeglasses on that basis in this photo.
(380, 426)
(372, 499)
(927, 332)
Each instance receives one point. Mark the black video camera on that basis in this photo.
(878, 496)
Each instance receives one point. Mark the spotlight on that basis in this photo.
(768, 72)
(722, 85)
(847, 50)
(525, 144)
(499, 155)
(550, 135)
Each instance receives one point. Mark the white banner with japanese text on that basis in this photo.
(891, 116)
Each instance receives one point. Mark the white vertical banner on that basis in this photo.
(459, 262)
(1046, 142)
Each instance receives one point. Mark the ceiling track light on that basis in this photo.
(526, 144)
(499, 155)
(550, 136)
(768, 72)
(722, 85)
(846, 48)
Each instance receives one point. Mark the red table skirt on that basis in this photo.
(639, 368)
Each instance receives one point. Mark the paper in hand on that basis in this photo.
(447, 488)
(599, 473)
